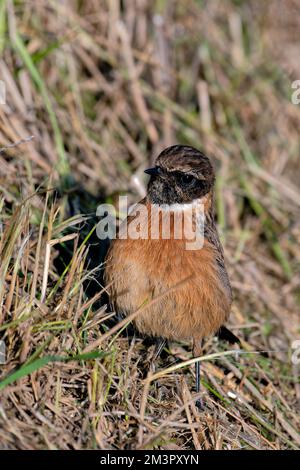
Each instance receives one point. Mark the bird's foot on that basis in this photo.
(199, 404)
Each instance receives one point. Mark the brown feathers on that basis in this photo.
(140, 270)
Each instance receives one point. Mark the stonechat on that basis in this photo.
(141, 269)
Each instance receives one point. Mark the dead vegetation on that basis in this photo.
(103, 87)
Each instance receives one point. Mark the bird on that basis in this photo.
(138, 270)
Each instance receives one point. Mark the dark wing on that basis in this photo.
(211, 235)
(227, 335)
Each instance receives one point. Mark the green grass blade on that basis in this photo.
(31, 367)
(2, 24)
(269, 230)
(63, 165)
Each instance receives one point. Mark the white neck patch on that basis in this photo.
(177, 207)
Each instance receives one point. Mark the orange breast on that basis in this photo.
(140, 270)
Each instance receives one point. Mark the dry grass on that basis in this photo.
(103, 88)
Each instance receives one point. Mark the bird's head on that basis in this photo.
(181, 175)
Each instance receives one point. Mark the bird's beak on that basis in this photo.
(152, 171)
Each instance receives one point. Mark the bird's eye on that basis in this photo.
(187, 179)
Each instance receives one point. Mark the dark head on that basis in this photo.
(181, 175)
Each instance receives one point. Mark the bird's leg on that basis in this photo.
(197, 351)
